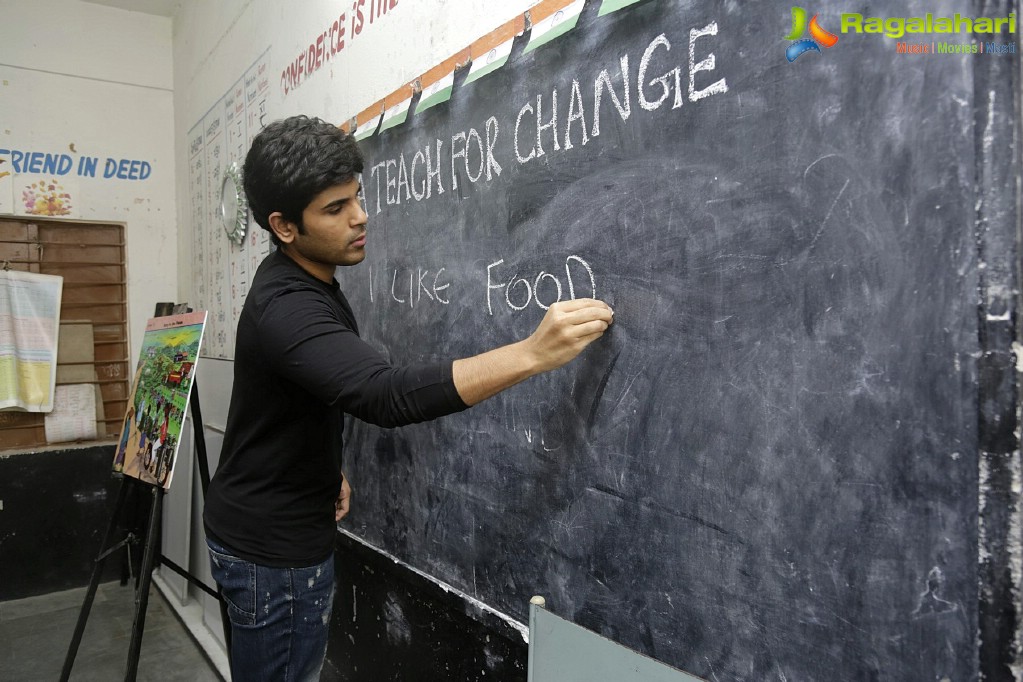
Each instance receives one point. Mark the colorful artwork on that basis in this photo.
(147, 449)
(46, 197)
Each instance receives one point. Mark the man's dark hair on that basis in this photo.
(290, 162)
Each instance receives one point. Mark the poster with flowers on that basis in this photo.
(46, 196)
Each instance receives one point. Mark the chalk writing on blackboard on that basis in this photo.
(520, 292)
(543, 126)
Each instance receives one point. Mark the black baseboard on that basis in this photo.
(56, 507)
(392, 623)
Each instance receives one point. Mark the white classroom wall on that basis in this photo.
(80, 80)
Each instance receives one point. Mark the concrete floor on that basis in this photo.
(35, 634)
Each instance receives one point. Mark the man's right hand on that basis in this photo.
(566, 329)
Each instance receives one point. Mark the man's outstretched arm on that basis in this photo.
(566, 329)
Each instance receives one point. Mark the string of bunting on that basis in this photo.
(546, 21)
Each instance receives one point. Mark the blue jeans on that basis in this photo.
(279, 616)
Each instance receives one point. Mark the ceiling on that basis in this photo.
(163, 8)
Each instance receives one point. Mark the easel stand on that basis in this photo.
(151, 557)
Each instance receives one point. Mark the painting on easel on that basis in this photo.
(148, 446)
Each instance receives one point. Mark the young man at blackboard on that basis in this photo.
(272, 507)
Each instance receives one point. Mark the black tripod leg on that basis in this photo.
(146, 575)
(200, 440)
(204, 481)
(90, 594)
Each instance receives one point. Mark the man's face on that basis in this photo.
(334, 231)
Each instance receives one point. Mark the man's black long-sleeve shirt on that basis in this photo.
(299, 366)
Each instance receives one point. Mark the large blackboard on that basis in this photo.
(768, 469)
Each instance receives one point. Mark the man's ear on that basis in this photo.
(282, 227)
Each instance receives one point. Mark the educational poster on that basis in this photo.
(148, 446)
(29, 325)
(221, 269)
